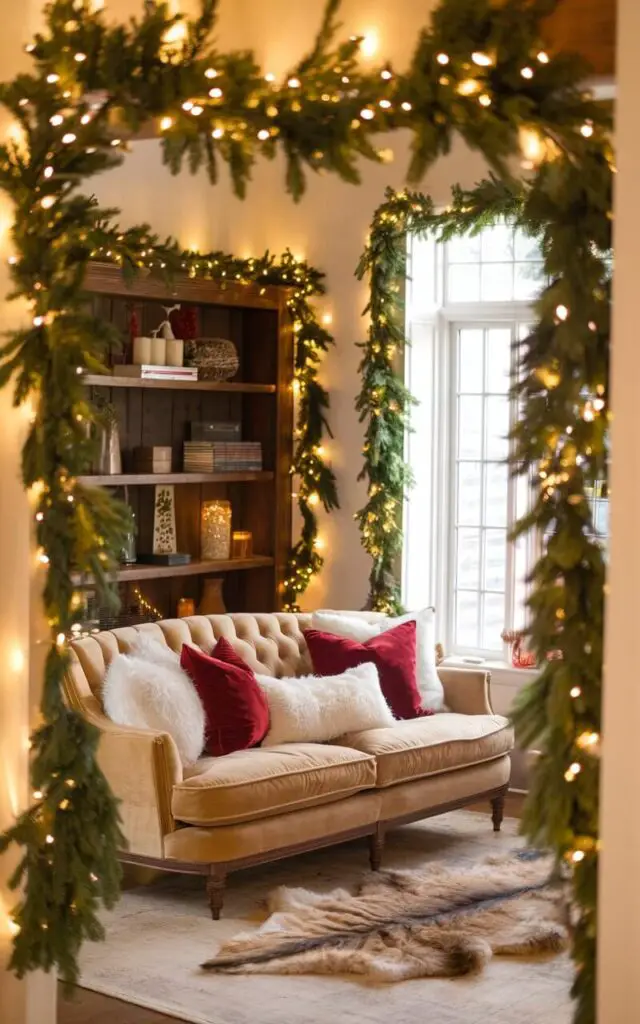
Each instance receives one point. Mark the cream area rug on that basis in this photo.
(159, 934)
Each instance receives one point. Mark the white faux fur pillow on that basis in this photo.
(427, 679)
(155, 694)
(313, 709)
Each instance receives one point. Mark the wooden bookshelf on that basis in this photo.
(159, 412)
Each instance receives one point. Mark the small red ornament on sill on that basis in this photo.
(520, 657)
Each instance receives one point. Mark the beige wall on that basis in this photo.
(329, 227)
(619, 930)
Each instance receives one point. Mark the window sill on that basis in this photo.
(501, 671)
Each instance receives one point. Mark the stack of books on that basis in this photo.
(222, 456)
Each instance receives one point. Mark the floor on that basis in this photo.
(92, 1008)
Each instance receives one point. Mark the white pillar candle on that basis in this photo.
(158, 351)
(175, 352)
(141, 351)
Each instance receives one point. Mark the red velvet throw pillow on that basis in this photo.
(235, 708)
(392, 652)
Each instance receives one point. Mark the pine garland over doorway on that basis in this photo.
(480, 71)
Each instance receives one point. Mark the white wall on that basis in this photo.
(329, 227)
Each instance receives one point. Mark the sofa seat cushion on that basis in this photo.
(256, 783)
(427, 746)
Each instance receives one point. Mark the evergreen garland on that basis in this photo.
(480, 71)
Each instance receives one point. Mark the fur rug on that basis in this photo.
(442, 922)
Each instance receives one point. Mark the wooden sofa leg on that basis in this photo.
(216, 881)
(376, 846)
(497, 810)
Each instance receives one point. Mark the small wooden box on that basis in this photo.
(152, 459)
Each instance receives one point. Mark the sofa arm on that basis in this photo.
(466, 690)
(141, 768)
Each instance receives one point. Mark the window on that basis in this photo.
(468, 308)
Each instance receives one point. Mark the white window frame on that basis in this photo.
(431, 363)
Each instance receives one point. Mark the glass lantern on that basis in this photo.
(215, 530)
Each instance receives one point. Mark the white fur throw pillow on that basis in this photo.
(158, 695)
(427, 680)
(313, 709)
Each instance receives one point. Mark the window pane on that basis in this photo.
(470, 428)
(496, 427)
(468, 559)
(497, 282)
(498, 360)
(520, 584)
(469, 493)
(466, 631)
(470, 360)
(526, 248)
(497, 244)
(495, 560)
(463, 282)
(463, 249)
(496, 495)
(493, 621)
(528, 281)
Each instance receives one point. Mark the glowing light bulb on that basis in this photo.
(442, 58)
(263, 134)
(483, 60)
(196, 110)
(313, 498)
(217, 133)
(587, 130)
(575, 691)
(187, 105)
(367, 114)
(80, 57)
(526, 72)
(468, 86)
(37, 794)
(56, 120)
(85, 119)
(385, 104)
(215, 93)
(68, 138)
(53, 78)
(406, 106)
(543, 57)
(562, 312)
(50, 840)
(211, 73)
(386, 74)
(269, 77)
(484, 100)
(47, 202)
(293, 83)
(165, 124)
(369, 44)
(577, 856)
(327, 318)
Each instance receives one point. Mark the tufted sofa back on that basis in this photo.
(270, 643)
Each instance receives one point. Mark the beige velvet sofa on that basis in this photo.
(263, 804)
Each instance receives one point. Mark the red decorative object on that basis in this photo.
(236, 711)
(184, 323)
(392, 652)
(520, 657)
(134, 325)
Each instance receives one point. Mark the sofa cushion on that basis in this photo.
(427, 746)
(256, 783)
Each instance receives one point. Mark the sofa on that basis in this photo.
(263, 804)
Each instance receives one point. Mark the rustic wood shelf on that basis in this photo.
(223, 387)
(157, 572)
(144, 479)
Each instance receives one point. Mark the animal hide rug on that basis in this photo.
(444, 921)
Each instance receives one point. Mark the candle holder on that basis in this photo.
(241, 544)
(186, 606)
(215, 530)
